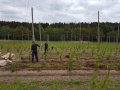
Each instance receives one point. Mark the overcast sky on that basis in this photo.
(60, 10)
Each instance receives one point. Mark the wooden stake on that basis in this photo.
(80, 31)
(39, 31)
(98, 29)
(22, 35)
(33, 35)
(118, 34)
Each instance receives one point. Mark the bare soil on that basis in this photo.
(82, 64)
(45, 75)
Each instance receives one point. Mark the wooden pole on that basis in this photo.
(33, 33)
(13, 36)
(118, 33)
(28, 36)
(64, 37)
(39, 31)
(98, 29)
(8, 36)
(80, 31)
(22, 35)
(89, 32)
(109, 37)
(71, 34)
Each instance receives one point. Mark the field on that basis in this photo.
(67, 57)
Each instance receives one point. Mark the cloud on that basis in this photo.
(60, 10)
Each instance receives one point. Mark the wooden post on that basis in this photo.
(33, 33)
(98, 29)
(64, 37)
(80, 31)
(47, 37)
(22, 35)
(13, 36)
(109, 38)
(8, 36)
(118, 34)
(28, 36)
(89, 32)
(71, 34)
(40, 31)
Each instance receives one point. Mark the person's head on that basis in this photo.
(33, 42)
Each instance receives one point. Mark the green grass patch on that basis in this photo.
(53, 85)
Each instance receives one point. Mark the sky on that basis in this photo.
(66, 11)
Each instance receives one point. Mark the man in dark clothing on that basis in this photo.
(34, 51)
(46, 48)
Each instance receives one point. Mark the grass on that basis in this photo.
(52, 85)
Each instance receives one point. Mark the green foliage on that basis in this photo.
(94, 81)
(58, 31)
(22, 30)
(100, 84)
(13, 67)
(70, 63)
(118, 66)
(77, 58)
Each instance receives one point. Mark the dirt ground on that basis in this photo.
(45, 75)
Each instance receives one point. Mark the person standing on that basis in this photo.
(34, 51)
(46, 48)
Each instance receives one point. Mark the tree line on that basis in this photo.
(59, 31)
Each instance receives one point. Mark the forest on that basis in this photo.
(109, 32)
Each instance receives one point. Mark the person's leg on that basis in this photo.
(36, 55)
(45, 51)
(32, 57)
